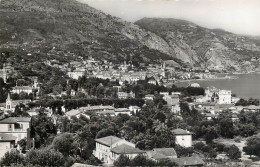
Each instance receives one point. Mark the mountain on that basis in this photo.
(67, 30)
(205, 47)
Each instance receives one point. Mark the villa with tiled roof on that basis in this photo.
(109, 148)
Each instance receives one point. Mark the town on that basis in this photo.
(97, 112)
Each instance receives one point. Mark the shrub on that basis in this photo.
(44, 157)
(12, 157)
(237, 139)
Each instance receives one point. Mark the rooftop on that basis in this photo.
(126, 149)
(181, 132)
(109, 140)
(6, 137)
(188, 161)
(15, 120)
(73, 112)
(165, 151)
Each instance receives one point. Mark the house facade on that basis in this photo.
(183, 137)
(7, 143)
(109, 148)
(15, 126)
(224, 97)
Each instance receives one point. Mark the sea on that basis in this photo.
(245, 86)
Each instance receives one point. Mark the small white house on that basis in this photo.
(7, 143)
(183, 137)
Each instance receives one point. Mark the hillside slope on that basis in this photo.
(204, 47)
(67, 29)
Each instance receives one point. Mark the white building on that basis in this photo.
(183, 137)
(7, 143)
(134, 109)
(109, 148)
(25, 89)
(15, 126)
(224, 97)
(149, 97)
(76, 74)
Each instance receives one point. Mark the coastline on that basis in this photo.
(207, 79)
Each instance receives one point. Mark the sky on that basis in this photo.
(237, 16)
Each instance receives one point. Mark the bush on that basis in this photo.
(237, 139)
(233, 152)
(12, 157)
(44, 157)
(122, 160)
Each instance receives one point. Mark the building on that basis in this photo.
(172, 99)
(159, 154)
(149, 97)
(152, 81)
(122, 111)
(183, 137)
(134, 109)
(11, 104)
(194, 85)
(15, 126)
(3, 74)
(188, 161)
(76, 74)
(224, 97)
(75, 113)
(25, 89)
(176, 109)
(109, 148)
(125, 95)
(7, 143)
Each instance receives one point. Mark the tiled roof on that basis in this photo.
(122, 110)
(73, 112)
(158, 156)
(106, 112)
(166, 151)
(188, 161)
(6, 137)
(15, 120)
(181, 132)
(109, 140)
(96, 108)
(126, 149)
(82, 165)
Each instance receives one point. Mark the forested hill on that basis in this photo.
(205, 47)
(66, 29)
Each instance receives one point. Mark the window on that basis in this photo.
(10, 127)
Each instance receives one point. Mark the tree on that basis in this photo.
(122, 160)
(252, 146)
(45, 157)
(22, 143)
(42, 127)
(64, 143)
(183, 151)
(233, 152)
(12, 157)
(226, 127)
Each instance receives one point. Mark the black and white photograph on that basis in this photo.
(130, 83)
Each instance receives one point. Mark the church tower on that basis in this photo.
(8, 103)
